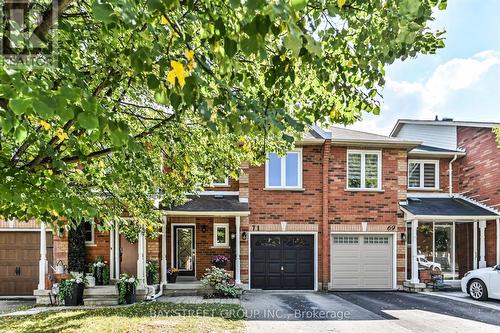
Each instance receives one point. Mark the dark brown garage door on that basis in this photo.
(19, 256)
(282, 262)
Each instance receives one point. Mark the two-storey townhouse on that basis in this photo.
(452, 211)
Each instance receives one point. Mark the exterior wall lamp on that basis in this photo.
(204, 228)
(244, 236)
(403, 237)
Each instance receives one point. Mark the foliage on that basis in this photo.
(126, 284)
(66, 288)
(195, 86)
(172, 270)
(100, 269)
(76, 249)
(220, 281)
(130, 229)
(144, 317)
(152, 271)
(496, 131)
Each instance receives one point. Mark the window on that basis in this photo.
(221, 182)
(364, 170)
(376, 240)
(221, 234)
(284, 172)
(89, 232)
(345, 239)
(423, 174)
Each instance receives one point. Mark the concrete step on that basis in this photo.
(100, 301)
(100, 291)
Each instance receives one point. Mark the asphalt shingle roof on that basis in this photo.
(211, 203)
(445, 207)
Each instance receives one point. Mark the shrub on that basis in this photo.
(221, 282)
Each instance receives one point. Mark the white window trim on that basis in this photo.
(91, 242)
(283, 172)
(226, 227)
(226, 183)
(422, 162)
(379, 170)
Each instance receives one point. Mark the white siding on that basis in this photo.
(440, 136)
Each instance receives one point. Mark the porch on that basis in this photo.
(452, 233)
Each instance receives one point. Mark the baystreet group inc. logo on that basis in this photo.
(29, 32)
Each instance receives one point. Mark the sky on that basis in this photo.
(460, 81)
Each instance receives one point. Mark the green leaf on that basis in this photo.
(153, 81)
(230, 47)
(19, 105)
(42, 109)
(299, 4)
(87, 120)
(102, 12)
(293, 42)
(65, 113)
(119, 136)
(20, 134)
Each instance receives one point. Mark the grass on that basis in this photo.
(146, 318)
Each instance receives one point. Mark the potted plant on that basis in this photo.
(172, 274)
(152, 272)
(71, 290)
(126, 285)
(98, 271)
(219, 261)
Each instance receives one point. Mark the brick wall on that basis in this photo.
(354, 207)
(100, 248)
(480, 168)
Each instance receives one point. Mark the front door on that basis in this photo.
(184, 249)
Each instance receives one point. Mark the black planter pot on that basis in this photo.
(130, 294)
(99, 281)
(80, 287)
(171, 278)
(150, 278)
(72, 300)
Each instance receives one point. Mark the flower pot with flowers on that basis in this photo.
(126, 285)
(152, 272)
(172, 274)
(219, 261)
(100, 271)
(71, 290)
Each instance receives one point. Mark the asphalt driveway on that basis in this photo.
(365, 312)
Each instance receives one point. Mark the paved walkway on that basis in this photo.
(197, 300)
(11, 305)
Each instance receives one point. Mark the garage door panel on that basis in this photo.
(362, 261)
(288, 261)
(259, 267)
(19, 251)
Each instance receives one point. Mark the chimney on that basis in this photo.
(436, 119)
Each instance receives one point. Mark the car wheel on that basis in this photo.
(477, 290)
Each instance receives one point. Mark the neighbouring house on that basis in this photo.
(453, 201)
(343, 210)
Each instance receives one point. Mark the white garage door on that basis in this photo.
(362, 262)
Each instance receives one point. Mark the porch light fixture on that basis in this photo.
(204, 228)
(403, 237)
(233, 235)
(244, 235)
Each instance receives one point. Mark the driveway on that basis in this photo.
(365, 312)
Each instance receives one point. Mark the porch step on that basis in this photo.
(100, 301)
(194, 288)
(100, 291)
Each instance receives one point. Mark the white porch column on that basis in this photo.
(43, 263)
(164, 251)
(498, 241)
(474, 245)
(414, 262)
(237, 259)
(112, 253)
(141, 262)
(117, 250)
(482, 245)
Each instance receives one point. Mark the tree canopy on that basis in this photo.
(190, 86)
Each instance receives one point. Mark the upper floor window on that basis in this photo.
(423, 174)
(221, 182)
(284, 172)
(364, 170)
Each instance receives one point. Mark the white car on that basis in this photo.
(482, 283)
(428, 264)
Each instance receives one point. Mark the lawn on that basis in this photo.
(151, 317)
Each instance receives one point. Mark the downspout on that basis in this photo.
(450, 174)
